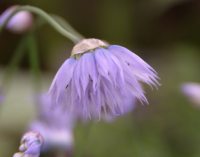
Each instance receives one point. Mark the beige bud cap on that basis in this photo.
(87, 45)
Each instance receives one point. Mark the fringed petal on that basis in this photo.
(105, 81)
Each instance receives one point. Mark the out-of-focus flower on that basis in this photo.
(2, 99)
(192, 92)
(101, 79)
(31, 144)
(55, 138)
(24, 155)
(19, 23)
(54, 124)
(18, 155)
(53, 117)
(2, 96)
(53, 129)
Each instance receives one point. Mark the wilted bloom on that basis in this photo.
(192, 91)
(19, 23)
(54, 124)
(31, 144)
(101, 79)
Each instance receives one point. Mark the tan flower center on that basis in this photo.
(87, 45)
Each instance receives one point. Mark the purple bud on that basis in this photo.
(19, 23)
(31, 143)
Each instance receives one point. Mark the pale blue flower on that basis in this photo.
(101, 79)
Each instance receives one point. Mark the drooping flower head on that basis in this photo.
(19, 23)
(192, 91)
(101, 79)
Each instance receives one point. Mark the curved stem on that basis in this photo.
(66, 25)
(48, 18)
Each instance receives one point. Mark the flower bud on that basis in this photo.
(19, 23)
(31, 143)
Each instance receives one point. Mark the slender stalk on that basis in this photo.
(34, 60)
(73, 37)
(66, 25)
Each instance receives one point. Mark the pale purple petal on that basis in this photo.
(136, 65)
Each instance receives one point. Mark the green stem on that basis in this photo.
(34, 60)
(66, 25)
(19, 52)
(47, 17)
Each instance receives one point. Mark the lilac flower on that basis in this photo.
(54, 124)
(19, 23)
(101, 79)
(192, 92)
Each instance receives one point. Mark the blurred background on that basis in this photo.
(165, 33)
